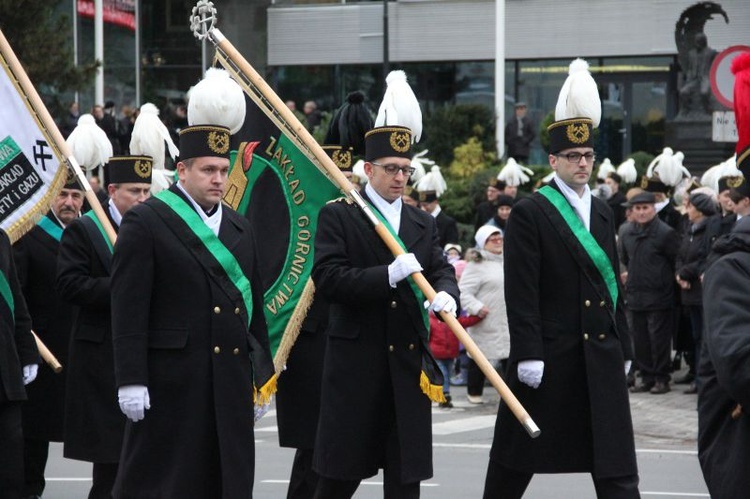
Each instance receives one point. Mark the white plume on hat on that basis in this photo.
(667, 152)
(579, 95)
(726, 168)
(217, 100)
(514, 174)
(89, 144)
(400, 106)
(418, 162)
(358, 170)
(670, 169)
(627, 171)
(548, 178)
(433, 181)
(605, 168)
(150, 135)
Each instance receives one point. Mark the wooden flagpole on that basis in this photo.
(203, 26)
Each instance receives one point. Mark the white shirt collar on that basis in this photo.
(214, 221)
(581, 204)
(436, 211)
(390, 211)
(114, 213)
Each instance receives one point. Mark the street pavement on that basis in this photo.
(665, 433)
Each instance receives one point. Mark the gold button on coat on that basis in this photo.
(587, 303)
(236, 351)
(217, 310)
(237, 311)
(602, 336)
(217, 350)
(585, 336)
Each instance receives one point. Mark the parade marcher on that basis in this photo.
(617, 198)
(570, 347)
(378, 375)
(298, 391)
(483, 295)
(430, 188)
(648, 248)
(51, 319)
(514, 175)
(662, 175)
(191, 349)
(93, 422)
(19, 360)
(488, 208)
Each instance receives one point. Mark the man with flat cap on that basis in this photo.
(51, 319)
(569, 344)
(93, 422)
(190, 339)
(378, 373)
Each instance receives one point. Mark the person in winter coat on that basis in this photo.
(724, 370)
(691, 262)
(482, 288)
(648, 248)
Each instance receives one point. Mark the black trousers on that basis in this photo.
(11, 455)
(35, 454)
(505, 483)
(475, 383)
(103, 475)
(304, 479)
(652, 339)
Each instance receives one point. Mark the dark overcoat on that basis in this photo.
(51, 320)
(724, 370)
(555, 314)
(93, 421)
(376, 337)
(17, 346)
(447, 229)
(298, 395)
(182, 330)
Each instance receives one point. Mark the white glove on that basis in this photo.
(530, 372)
(260, 411)
(134, 401)
(628, 363)
(29, 373)
(402, 267)
(445, 302)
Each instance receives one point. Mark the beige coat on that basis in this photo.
(483, 284)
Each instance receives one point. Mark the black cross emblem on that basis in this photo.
(40, 156)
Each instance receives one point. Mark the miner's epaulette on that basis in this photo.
(341, 199)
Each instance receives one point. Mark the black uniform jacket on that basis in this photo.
(724, 370)
(556, 315)
(375, 339)
(51, 320)
(447, 229)
(17, 346)
(181, 329)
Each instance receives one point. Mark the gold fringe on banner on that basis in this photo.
(263, 396)
(294, 326)
(434, 392)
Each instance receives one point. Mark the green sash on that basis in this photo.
(51, 228)
(7, 294)
(99, 226)
(595, 252)
(415, 289)
(226, 259)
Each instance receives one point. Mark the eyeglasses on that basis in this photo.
(393, 169)
(575, 157)
(495, 238)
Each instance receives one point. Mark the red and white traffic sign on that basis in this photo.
(722, 79)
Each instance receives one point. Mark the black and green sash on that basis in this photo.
(602, 271)
(7, 295)
(99, 238)
(51, 228)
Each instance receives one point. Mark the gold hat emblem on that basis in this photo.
(400, 141)
(735, 182)
(342, 159)
(577, 133)
(218, 142)
(644, 182)
(142, 168)
(423, 196)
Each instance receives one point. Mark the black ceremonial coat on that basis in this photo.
(724, 370)
(375, 340)
(447, 229)
(182, 331)
(298, 395)
(17, 346)
(556, 315)
(93, 421)
(51, 319)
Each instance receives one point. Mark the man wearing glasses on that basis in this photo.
(375, 413)
(570, 345)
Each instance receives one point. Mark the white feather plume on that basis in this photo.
(605, 168)
(358, 170)
(89, 144)
(150, 135)
(670, 169)
(515, 174)
(433, 181)
(730, 168)
(400, 106)
(419, 162)
(711, 176)
(579, 95)
(667, 152)
(217, 100)
(161, 180)
(548, 178)
(627, 171)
